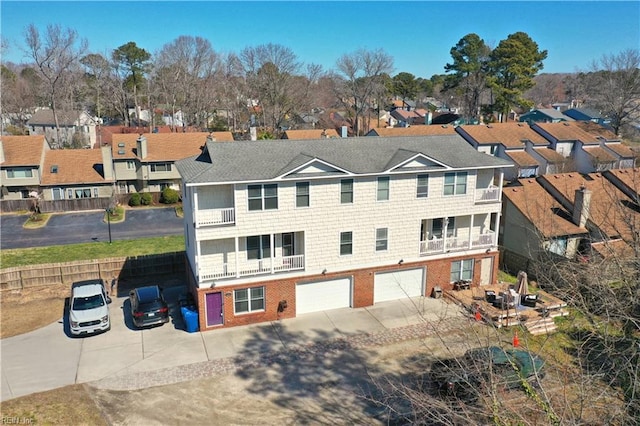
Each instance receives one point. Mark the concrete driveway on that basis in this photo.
(86, 227)
(49, 358)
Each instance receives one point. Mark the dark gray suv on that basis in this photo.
(148, 306)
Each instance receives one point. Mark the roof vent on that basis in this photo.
(565, 123)
(54, 169)
(121, 151)
(121, 145)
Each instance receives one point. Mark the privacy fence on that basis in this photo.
(111, 268)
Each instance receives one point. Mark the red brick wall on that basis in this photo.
(276, 290)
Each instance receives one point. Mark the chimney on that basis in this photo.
(324, 134)
(344, 133)
(141, 144)
(581, 206)
(1, 151)
(428, 118)
(211, 138)
(107, 162)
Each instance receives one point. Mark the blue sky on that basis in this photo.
(417, 34)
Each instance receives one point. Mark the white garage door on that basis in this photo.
(398, 284)
(323, 295)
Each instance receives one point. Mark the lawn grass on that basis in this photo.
(97, 250)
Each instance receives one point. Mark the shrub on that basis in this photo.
(135, 199)
(146, 199)
(169, 196)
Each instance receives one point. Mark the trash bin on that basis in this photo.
(437, 292)
(190, 317)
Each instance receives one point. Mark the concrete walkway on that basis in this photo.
(125, 358)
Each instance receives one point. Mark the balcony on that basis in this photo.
(487, 195)
(211, 269)
(449, 244)
(215, 217)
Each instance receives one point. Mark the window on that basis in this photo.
(160, 167)
(95, 192)
(346, 243)
(346, 191)
(287, 244)
(423, 186)
(21, 172)
(461, 270)
(381, 239)
(455, 183)
(558, 246)
(438, 225)
(263, 197)
(302, 194)
(248, 300)
(131, 165)
(80, 193)
(258, 247)
(383, 189)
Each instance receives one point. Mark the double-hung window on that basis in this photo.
(346, 243)
(346, 191)
(258, 247)
(248, 300)
(439, 224)
(383, 189)
(302, 194)
(21, 172)
(160, 167)
(455, 183)
(422, 186)
(263, 197)
(461, 270)
(382, 239)
(131, 165)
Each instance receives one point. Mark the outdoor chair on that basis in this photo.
(529, 300)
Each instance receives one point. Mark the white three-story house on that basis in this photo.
(278, 228)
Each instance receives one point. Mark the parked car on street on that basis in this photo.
(148, 306)
(464, 377)
(88, 309)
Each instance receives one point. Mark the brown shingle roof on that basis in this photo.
(621, 149)
(522, 158)
(629, 177)
(568, 131)
(164, 146)
(597, 130)
(511, 135)
(608, 210)
(541, 209)
(550, 155)
(599, 154)
(74, 166)
(416, 131)
(22, 150)
(311, 134)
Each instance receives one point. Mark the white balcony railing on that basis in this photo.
(441, 245)
(213, 217)
(488, 194)
(210, 269)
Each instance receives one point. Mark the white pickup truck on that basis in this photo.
(89, 310)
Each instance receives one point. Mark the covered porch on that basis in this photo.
(457, 233)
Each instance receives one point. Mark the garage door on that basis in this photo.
(398, 284)
(323, 295)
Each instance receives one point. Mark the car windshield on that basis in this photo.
(151, 305)
(85, 303)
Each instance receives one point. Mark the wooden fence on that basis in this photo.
(112, 268)
(79, 204)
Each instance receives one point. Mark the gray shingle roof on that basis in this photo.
(245, 161)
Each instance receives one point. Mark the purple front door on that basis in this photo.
(214, 308)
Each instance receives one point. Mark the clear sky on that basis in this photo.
(417, 34)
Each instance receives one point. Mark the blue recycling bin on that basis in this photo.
(190, 317)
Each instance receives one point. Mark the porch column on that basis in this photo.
(197, 265)
(235, 240)
(445, 228)
(496, 226)
(500, 186)
(470, 243)
(272, 238)
(194, 207)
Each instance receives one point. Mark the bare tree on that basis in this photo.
(56, 57)
(363, 73)
(613, 85)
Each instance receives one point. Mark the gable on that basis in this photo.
(312, 167)
(415, 161)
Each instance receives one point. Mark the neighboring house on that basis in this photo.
(413, 131)
(513, 142)
(278, 228)
(311, 134)
(76, 174)
(533, 222)
(145, 163)
(386, 119)
(588, 152)
(586, 114)
(21, 162)
(544, 115)
(73, 124)
(406, 118)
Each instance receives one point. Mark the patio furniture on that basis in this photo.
(490, 296)
(529, 300)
